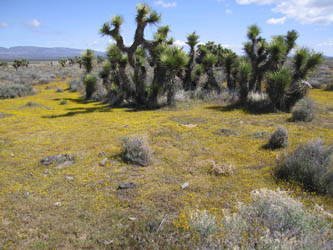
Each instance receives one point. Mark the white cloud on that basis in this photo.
(166, 4)
(276, 20)
(325, 44)
(180, 43)
(228, 11)
(303, 11)
(261, 2)
(33, 23)
(232, 46)
(4, 24)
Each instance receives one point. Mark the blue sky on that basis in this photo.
(75, 23)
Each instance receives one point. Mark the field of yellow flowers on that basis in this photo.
(79, 206)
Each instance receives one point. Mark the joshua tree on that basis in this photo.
(17, 63)
(174, 60)
(256, 50)
(122, 85)
(208, 61)
(78, 60)
(100, 59)
(156, 48)
(230, 67)
(62, 61)
(144, 17)
(192, 41)
(105, 73)
(243, 76)
(87, 60)
(25, 62)
(90, 82)
(304, 61)
(266, 57)
(71, 61)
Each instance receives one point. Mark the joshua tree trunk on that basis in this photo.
(171, 96)
(212, 81)
(140, 77)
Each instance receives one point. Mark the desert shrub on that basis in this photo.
(15, 90)
(203, 222)
(279, 139)
(276, 221)
(309, 165)
(303, 110)
(90, 82)
(75, 85)
(222, 169)
(137, 151)
(258, 102)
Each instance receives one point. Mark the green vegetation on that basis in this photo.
(17, 63)
(62, 61)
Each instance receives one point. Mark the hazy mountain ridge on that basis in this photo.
(39, 53)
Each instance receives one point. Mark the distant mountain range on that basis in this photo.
(39, 53)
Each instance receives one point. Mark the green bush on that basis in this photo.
(303, 110)
(309, 165)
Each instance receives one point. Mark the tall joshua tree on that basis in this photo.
(156, 49)
(192, 41)
(89, 80)
(144, 17)
(256, 50)
(304, 61)
(208, 60)
(230, 67)
(87, 60)
(266, 57)
(174, 60)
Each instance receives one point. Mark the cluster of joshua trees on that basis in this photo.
(139, 73)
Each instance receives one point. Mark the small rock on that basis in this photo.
(185, 185)
(105, 242)
(102, 154)
(189, 125)
(58, 204)
(64, 164)
(103, 162)
(59, 90)
(12, 155)
(57, 159)
(228, 132)
(126, 186)
(50, 87)
(27, 193)
(260, 135)
(132, 218)
(70, 178)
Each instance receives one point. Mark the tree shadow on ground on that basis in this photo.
(83, 110)
(246, 109)
(75, 100)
